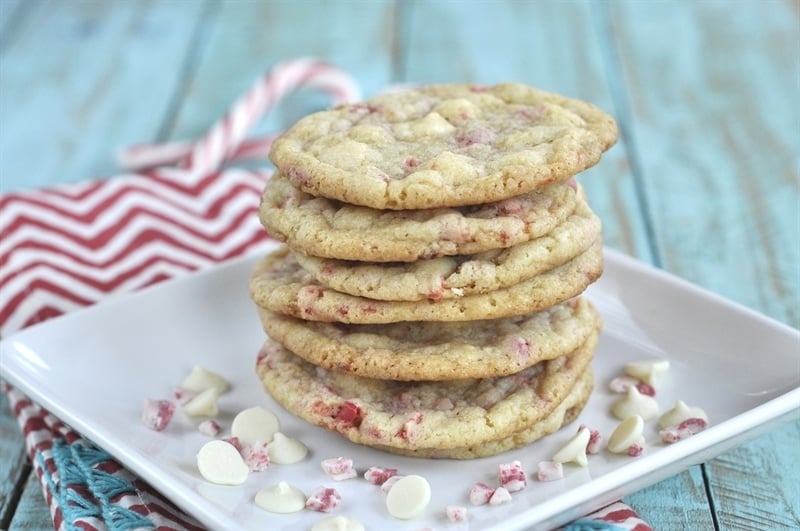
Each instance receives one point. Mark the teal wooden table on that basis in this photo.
(703, 183)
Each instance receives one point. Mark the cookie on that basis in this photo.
(280, 285)
(420, 415)
(565, 413)
(330, 229)
(456, 276)
(437, 351)
(443, 145)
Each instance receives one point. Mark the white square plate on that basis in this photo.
(94, 368)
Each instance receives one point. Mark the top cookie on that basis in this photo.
(443, 146)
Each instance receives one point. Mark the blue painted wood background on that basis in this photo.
(704, 181)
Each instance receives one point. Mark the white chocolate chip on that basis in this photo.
(338, 523)
(255, 424)
(679, 413)
(627, 434)
(574, 451)
(635, 403)
(387, 485)
(408, 497)
(285, 450)
(203, 404)
(432, 125)
(281, 498)
(221, 463)
(201, 379)
(647, 371)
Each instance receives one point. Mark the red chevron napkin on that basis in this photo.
(70, 246)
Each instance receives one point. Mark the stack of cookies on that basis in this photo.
(427, 300)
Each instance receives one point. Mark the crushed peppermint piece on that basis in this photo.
(255, 456)
(157, 414)
(684, 430)
(378, 476)
(456, 513)
(339, 468)
(549, 471)
(512, 476)
(499, 496)
(209, 427)
(480, 494)
(324, 500)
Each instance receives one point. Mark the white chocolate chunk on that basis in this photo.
(338, 523)
(255, 424)
(647, 371)
(285, 450)
(408, 497)
(628, 433)
(201, 379)
(635, 403)
(221, 463)
(574, 451)
(203, 404)
(281, 498)
(679, 413)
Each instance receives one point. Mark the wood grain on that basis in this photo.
(756, 485)
(32, 513)
(721, 182)
(244, 39)
(714, 121)
(81, 80)
(12, 463)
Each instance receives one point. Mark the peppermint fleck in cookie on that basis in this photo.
(420, 415)
(437, 351)
(456, 276)
(443, 145)
(330, 229)
(280, 285)
(566, 412)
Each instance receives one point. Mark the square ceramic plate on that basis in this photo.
(94, 368)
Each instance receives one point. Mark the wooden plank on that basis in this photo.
(758, 484)
(712, 97)
(559, 47)
(552, 45)
(81, 80)
(679, 502)
(716, 119)
(32, 512)
(249, 37)
(12, 462)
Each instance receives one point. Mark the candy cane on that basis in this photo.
(226, 140)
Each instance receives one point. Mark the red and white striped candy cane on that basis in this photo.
(226, 140)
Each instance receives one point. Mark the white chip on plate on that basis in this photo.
(408, 497)
(255, 424)
(220, 462)
(281, 498)
(201, 379)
